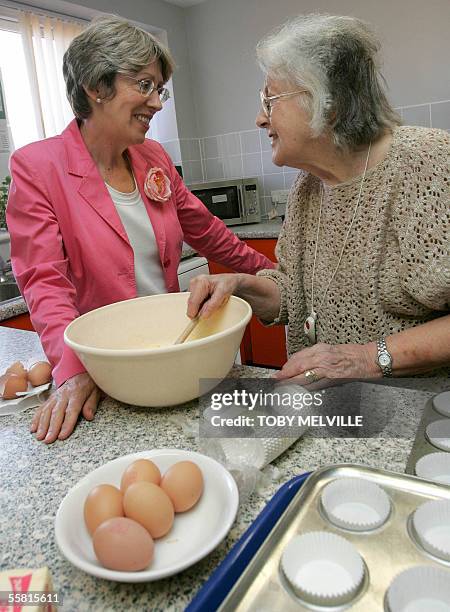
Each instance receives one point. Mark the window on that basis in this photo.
(16, 86)
(31, 51)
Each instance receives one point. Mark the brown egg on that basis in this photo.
(10, 384)
(139, 470)
(17, 368)
(147, 504)
(183, 483)
(102, 503)
(123, 545)
(40, 373)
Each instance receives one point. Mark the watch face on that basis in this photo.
(384, 359)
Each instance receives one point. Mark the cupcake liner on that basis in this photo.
(438, 433)
(355, 504)
(322, 568)
(441, 403)
(431, 522)
(25, 400)
(419, 589)
(435, 466)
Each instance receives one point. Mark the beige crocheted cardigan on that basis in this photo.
(395, 270)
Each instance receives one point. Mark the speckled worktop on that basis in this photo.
(35, 478)
(267, 229)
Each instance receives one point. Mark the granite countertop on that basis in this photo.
(12, 308)
(267, 229)
(36, 477)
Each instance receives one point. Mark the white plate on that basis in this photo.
(194, 533)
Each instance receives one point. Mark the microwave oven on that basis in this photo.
(235, 201)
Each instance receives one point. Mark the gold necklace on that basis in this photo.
(309, 326)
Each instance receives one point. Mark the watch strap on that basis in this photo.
(384, 358)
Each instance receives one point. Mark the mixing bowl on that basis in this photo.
(128, 350)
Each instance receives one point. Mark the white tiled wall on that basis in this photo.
(248, 153)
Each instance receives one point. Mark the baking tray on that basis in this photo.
(386, 551)
(421, 445)
(218, 585)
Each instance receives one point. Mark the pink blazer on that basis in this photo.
(69, 250)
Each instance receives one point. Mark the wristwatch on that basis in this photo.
(384, 358)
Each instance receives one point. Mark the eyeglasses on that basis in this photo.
(267, 101)
(147, 87)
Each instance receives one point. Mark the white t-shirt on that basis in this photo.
(147, 263)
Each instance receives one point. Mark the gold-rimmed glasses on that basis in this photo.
(147, 87)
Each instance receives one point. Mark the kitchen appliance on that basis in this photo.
(235, 201)
(189, 268)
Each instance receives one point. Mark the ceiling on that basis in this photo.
(184, 3)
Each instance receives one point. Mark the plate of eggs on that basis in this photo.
(146, 516)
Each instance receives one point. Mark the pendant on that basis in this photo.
(310, 327)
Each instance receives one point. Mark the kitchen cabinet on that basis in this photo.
(261, 346)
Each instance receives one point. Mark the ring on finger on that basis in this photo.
(311, 376)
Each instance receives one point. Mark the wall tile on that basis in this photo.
(173, 149)
(185, 149)
(272, 182)
(268, 166)
(192, 171)
(417, 115)
(252, 164)
(289, 178)
(266, 205)
(440, 115)
(214, 169)
(250, 142)
(233, 166)
(231, 144)
(266, 143)
(190, 149)
(211, 147)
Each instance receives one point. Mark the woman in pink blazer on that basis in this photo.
(90, 208)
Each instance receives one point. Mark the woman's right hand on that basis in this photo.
(57, 417)
(209, 292)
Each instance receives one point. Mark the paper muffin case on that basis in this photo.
(323, 569)
(256, 452)
(431, 522)
(419, 589)
(438, 433)
(355, 504)
(435, 466)
(25, 400)
(441, 403)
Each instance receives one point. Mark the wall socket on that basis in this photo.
(279, 196)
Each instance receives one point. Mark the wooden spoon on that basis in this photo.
(187, 331)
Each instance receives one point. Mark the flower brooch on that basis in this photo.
(157, 185)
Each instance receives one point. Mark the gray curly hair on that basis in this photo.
(107, 46)
(335, 59)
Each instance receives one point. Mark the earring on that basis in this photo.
(98, 100)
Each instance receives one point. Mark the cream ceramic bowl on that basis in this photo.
(127, 348)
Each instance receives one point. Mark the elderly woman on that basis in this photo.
(99, 213)
(364, 255)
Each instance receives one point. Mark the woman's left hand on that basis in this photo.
(328, 362)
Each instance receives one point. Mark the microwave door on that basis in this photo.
(224, 202)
